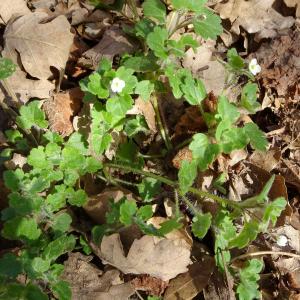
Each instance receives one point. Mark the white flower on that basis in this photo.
(282, 240)
(117, 85)
(254, 67)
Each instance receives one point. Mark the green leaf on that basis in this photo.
(272, 211)
(7, 68)
(201, 224)
(21, 227)
(246, 236)
(126, 74)
(227, 111)
(31, 115)
(257, 137)
(96, 87)
(232, 139)
(98, 232)
(92, 165)
(78, 141)
(37, 158)
(149, 188)
(156, 41)
(145, 212)
(248, 287)
(155, 9)
(85, 246)
(136, 125)
(10, 266)
(175, 80)
(24, 205)
(62, 290)
(61, 222)
(40, 265)
(72, 158)
(194, 91)
(144, 88)
(53, 137)
(105, 65)
(53, 153)
(187, 174)
(58, 247)
(207, 24)
(249, 97)
(127, 211)
(178, 48)
(234, 60)
(203, 151)
(218, 183)
(33, 292)
(77, 198)
(119, 105)
(144, 27)
(168, 226)
(13, 179)
(193, 5)
(141, 63)
(13, 135)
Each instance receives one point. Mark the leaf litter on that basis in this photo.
(166, 262)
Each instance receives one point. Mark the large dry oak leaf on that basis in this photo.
(40, 45)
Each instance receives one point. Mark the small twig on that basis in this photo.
(262, 253)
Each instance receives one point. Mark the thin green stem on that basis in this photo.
(174, 184)
(162, 129)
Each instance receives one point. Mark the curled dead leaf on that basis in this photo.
(9, 8)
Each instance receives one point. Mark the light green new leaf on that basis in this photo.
(187, 174)
(149, 188)
(21, 227)
(201, 224)
(203, 151)
(168, 226)
(145, 212)
(72, 158)
(247, 235)
(96, 87)
(119, 105)
(37, 158)
(58, 247)
(61, 222)
(248, 287)
(207, 24)
(273, 211)
(257, 137)
(61, 290)
(193, 5)
(234, 60)
(194, 91)
(227, 111)
(126, 74)
(77, 198)
(7, 68)
(233, 139)
(249, 97)
(40, 265)
(155, 9)
(144, 88)
(127, 211)
(156, 41)
(178, 48)
(32, 115)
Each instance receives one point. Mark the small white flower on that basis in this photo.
(282, 240)
(117, 85)
(254, 67)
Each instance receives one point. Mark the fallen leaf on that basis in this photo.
(183, 154)
(26, 88)
(40, 45)
(61, 108)
(158, 257)
(8, 8)
(114, 42)
(188, 285)
(294, 3)
(255, 16)
(266, 160)
(146, 109)
(17, 161)
(151, 285)
(89, 283)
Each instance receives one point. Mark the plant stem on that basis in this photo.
(261, 253)
(174, 184)
(162, 129)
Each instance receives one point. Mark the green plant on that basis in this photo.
(41, 198)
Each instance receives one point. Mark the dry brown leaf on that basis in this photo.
(151, 285)
(114, 42)
(61, 108)
(40, 45)
(266, 160)
(157, 257)
(294, 3)
(89, 283)
(255, 16)
(146, 109)
(8, 8)
(17, 161)
(26, 88)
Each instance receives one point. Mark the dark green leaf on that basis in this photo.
(155, 9)
(149, 188)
